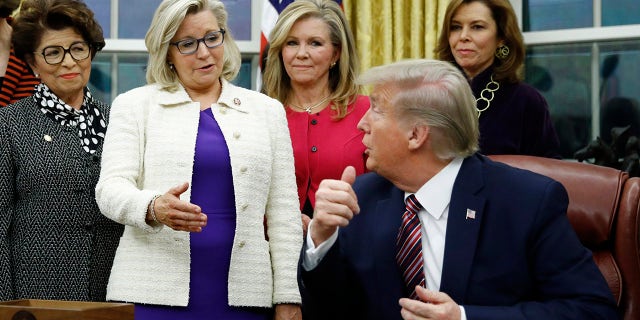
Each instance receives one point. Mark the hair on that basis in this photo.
(7, 7)
(509, 69)
(276, 81)
(436, 94)
(165, 24)
(38, 16)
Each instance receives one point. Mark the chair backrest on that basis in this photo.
(604, 204)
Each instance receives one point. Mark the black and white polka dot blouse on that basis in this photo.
(89, 120)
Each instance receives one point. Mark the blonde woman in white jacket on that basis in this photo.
(194, 166)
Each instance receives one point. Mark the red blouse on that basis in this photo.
(323, 147)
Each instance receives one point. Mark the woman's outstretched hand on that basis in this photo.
(178, 214)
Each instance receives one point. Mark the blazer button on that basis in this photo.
(88, 226)
(314, 149)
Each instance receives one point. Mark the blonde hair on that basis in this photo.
(342, 76)
(434, 93)
(165, 24)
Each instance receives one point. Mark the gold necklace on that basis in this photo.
(310, 108)
(490, 89)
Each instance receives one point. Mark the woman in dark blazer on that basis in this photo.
(54, 242)
(482, 38)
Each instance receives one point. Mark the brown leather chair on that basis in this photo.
(603, 209)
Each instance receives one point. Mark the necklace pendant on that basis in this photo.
(487, 94)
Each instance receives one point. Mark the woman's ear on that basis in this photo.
(336, 56)
(33, 67)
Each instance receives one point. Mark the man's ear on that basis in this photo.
(418, 136)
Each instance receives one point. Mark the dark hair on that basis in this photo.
(509, 69)
(8, 7)
(37, 16)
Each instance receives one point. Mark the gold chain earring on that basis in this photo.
(502, 52)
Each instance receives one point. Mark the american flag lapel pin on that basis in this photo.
(471, 214)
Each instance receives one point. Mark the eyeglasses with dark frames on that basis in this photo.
(210, 40)
(55, 54)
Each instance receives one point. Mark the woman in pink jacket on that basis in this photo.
(311, 68)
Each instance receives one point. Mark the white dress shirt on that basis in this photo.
(434, 196)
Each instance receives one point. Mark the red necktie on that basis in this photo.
(409, 247)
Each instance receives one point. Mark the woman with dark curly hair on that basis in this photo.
(54, 242)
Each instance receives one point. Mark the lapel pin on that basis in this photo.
(471, 214)
(236, 101)
(47, 138)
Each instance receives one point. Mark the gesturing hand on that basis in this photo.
(336, 203)
(177, 214)
(432, 305)
(5, 35)
(5, 45)
(287, 312)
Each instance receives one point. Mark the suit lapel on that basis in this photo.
(463, 228)
(52, 140)
(388, 217)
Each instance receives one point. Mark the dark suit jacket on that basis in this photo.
(518, 259)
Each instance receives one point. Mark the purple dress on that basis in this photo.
(212, 190)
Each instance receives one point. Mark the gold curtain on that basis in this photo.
(391, 30)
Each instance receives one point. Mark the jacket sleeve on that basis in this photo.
(7, 180)
(540, 137)
(569, 285)
(117, 192)
(284, 226)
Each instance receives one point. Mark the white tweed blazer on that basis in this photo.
(149, 147)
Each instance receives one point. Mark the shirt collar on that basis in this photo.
(435, 195)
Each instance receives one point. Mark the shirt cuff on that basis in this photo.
(313, 255)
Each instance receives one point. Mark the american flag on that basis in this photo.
(270, 11)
